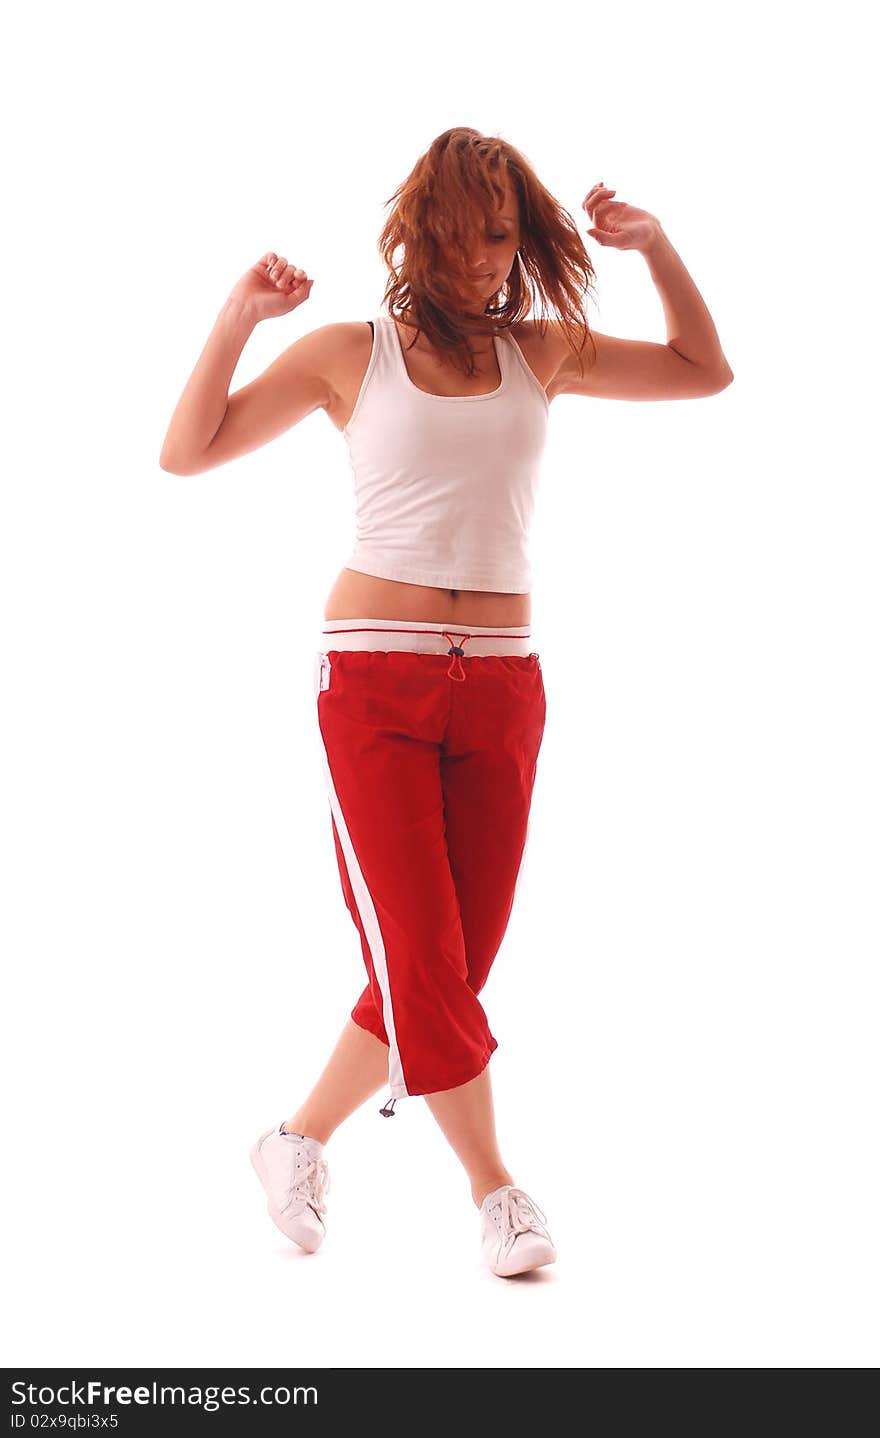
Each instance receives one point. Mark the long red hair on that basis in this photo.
(439, 213)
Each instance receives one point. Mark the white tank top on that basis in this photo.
(445, 484)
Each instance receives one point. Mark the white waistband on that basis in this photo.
(423, 636)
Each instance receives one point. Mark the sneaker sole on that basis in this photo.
(537, 1262)
(308, 1246)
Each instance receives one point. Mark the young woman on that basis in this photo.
(430, 699)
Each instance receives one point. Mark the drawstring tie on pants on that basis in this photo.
(457, 651)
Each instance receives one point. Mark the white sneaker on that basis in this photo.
(296, 1178)
(515, 1237)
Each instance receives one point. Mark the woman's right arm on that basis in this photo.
(209, 427)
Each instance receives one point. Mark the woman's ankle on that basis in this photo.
(488, 1183)
(301, 1124)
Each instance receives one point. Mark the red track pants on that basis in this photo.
(430, 741)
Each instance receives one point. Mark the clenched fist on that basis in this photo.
(272, 287)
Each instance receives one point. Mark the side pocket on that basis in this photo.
(539, 675)
(321, 673)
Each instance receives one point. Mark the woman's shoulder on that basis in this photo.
(344, 343)
(542, 335)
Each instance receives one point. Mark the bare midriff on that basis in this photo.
(365, 596)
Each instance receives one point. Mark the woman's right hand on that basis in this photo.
(272, 287)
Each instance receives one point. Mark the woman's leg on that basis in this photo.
(356, 1069)
(467, 1118)
(487, 773)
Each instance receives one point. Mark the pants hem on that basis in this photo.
(421, 1090)
(367, 1029)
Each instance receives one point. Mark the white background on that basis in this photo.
(686, 998)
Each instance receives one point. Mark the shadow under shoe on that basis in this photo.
(296, 1178)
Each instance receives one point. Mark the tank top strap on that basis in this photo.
(383, 360)
(393, 352)
(520, 365)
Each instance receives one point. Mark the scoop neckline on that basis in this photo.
(457, 398)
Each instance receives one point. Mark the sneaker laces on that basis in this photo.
(310, 1182)
(513, 1213)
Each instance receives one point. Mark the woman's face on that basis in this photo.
(491, 261)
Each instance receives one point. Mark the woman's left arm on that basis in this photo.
(690, 364)
(690, 330)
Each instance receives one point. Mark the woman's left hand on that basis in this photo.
(622, 226)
